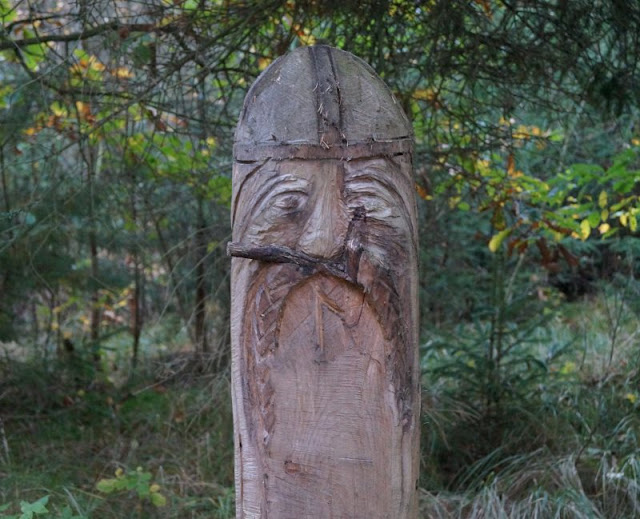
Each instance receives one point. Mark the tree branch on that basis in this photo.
(7, 43)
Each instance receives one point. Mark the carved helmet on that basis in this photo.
(320, 102)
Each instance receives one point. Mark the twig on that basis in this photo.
(282, 254)
(5, 443)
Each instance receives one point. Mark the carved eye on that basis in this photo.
(372, 204)
(288, 203)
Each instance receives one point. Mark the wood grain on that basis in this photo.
(325, 377)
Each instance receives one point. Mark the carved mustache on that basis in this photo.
(281, 254)
(343, 265)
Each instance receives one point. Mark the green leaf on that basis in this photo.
(68, 514)
(108, 485)
(157, 499)
(37, 507)
(7, 14)
(594, 219)
(219, 189)
(141, 55)
(586, 172)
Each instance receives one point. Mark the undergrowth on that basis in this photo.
(551, 428)
(160, 446)
(544, 424)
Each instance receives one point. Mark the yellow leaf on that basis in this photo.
(306, 38)
(604, 228)
(511, 164)
(602, 199)
(123, 73)
(263, 63)
(58, 109)
(424, 94)
(422, 192)
(624, 219)
(631, 397)
(84, 109)
(633, 223)
(585, 229)
(96, 65)
(568, 367)
(497, 239)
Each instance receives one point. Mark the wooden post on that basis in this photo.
(325, 375)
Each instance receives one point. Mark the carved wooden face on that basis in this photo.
(310, 206)
(353, 220)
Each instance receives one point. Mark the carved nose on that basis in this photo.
(326, 228)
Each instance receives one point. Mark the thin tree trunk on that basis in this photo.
(136, 311)
(202, 342)
(136, 296)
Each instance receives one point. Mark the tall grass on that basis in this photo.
(559, 435)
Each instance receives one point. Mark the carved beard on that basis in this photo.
(352, 332)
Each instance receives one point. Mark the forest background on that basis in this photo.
(116, 131)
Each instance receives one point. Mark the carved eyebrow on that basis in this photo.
(278, 184)
(275, 184)
(380, 177)
(379, 174)
(376, 176)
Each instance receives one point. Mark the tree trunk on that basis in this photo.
(200, 310)
(324, 295)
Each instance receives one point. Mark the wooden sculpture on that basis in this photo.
(325, 376)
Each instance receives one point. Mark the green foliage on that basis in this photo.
(29, 510)
(138, 481)
(36, 508)
(180, 430)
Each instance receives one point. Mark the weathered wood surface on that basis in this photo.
(325, 376)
